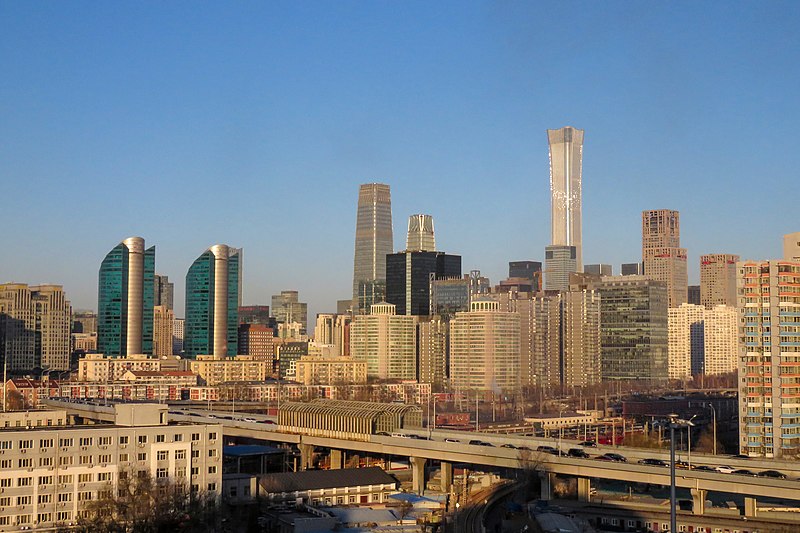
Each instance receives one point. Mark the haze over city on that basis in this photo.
(254, 126)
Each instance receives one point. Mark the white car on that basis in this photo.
(249, 420)
(725, 469)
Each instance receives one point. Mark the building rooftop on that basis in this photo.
(324, 479)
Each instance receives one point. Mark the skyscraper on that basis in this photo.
(631, 269)
(524, 269)
(664, 259)
(409, 275)
(420, 234)
(212, 303)
(164, 290)
(34, 327)
(373, 243)
(600, 269)
(125, 299)
(163, 323)
(718, 280)
(686, 341)
(386, 341)
(288, 308)
(559, 262)
(566, 154)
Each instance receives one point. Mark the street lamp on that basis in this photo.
(689, 441)
(674, 422)
(713, 426)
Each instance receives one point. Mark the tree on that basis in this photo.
(15, 401)
(705, 442)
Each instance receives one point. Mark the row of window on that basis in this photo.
(23, 519)
(28, 444)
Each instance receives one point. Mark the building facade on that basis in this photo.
(330, 370)
(663, 258)
(559, 263)
(566, 161)
(125, 299)
(420, 236)
(288, 308)
(35, 325)
(580, 333)
(432, 341)
(769, 356)
(791, 246)
(257, 341)
(164, 292)
(718, 280)
(686, 341)
(600, 269)
(485, 349)
(374, 241)
(631, 269)
(163, 320)
(212, 303)
(409, 275)
(721, 340)
(386, 341)
(214, 371)
(177, 336)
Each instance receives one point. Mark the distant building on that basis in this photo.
(478, 284)
(718, 280)
(633, 328)
(693, 294)
(791, 246)
(35, 325)
(344, 307)
(324, 329)
(214, 371)
(559, 262)
(663, 258)
(288, 308)
(449, 296)
(212, 303)
(288, 354)
(485, 349)
(631, 269)
(721, 340)
(164, 292)
(580, 312)
(258, 341)
(291, 331)
(84, 322)
(256, 314)
(432, 341)
(408, 278)
(373, 244)
(600, 269)
(769, 302)
(524, 269)
(177, 336)
(330, 370)
(566, 162)
(100, 367)
(163, 319)
(84, 342)
(686, 341)
(420, 234)
(125, 299)
(386, 341)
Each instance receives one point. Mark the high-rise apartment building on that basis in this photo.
(566, 155)
(258, 341)
(484, 349)
(693, 294)
(718, 280)
(686, 341)
(212, 303)
(432, 333)
(163, 319)
(125, 299)
(164, 291)
(420, 234)
(721, 340)
(386, 341)
(600, 269)
(791, 246)
(769, 356)
(373, 243)
(177, 336)
(409, 276)
(580, 334)
(288, 308)
(84, 322)
(559, 263)
(663, 258)
(631, 269)
(34, 327)
(633, 328)
(325, 328)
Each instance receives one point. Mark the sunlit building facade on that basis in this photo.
(373, 243)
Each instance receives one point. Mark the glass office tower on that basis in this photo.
(212, 303)
(373, 244)
(125, 299)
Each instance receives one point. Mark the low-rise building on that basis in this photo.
(99, 367)
(239, 368)
(330, 370)
(349, 486)
(169, 377)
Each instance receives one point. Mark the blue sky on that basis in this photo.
(253, 123)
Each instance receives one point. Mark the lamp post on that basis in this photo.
(713, 427)
(674, 422)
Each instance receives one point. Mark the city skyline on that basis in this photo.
(471, 117)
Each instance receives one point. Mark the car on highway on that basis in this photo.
(509, 446)
(476, 442)
(725, 469)
(455, 441)
(744, 472)
(614, 457)
(704, 468)
(589, 444)
(740, 456)
(772, 473)
(681, 464)
(653, 462)
(577, 452)
(547, 449)
(248, 419)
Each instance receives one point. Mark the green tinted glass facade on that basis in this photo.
(199, 324)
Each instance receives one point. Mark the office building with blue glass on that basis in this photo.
(125, 299)
(212, 303)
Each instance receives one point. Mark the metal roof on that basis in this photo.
(324, 479)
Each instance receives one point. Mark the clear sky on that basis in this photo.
(253, 123)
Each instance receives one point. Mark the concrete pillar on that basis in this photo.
(337, 459)
(306, 456)
(418, 474)
(546, 479)
(446, 474)
(698, 501)
(584, 489)
(750, 507)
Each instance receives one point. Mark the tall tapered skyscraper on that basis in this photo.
(566, 154)
(420, 234)
(125, 299)
(212, 303)
(373, 243)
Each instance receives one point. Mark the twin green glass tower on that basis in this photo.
(126, 296)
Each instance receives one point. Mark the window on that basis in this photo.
(162, 455)
(161, 473)
(45, 480)
(45, 443)
(161, 438)
(23, 519)
(5, 464)
(123, 457)
(142, 439)
(65, 460)
(212, 469)
(104, 441)
(84, 478)
(212, 435)
(65, 479)
(195, 436)
(45, 517)
(45, 498)
(24, 482)
(24, 500)
(212, 452)
(195, 488)
(85, 441)
(232, 491)
(43, 461)
(65, 497)
(180, 471)
(84, 496)
(180, 454)
(195, 454)
(5, 520)
(26, 463)
(123, 439)
(5, 482)
(5, 501)
(64, 443)
(195, 470)
(141, 456)
(5, 444)
(105, 459)
(26, 444)
(104, 476)
(178, 437)
(63, 516)
(212, 487)
(85, 460)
